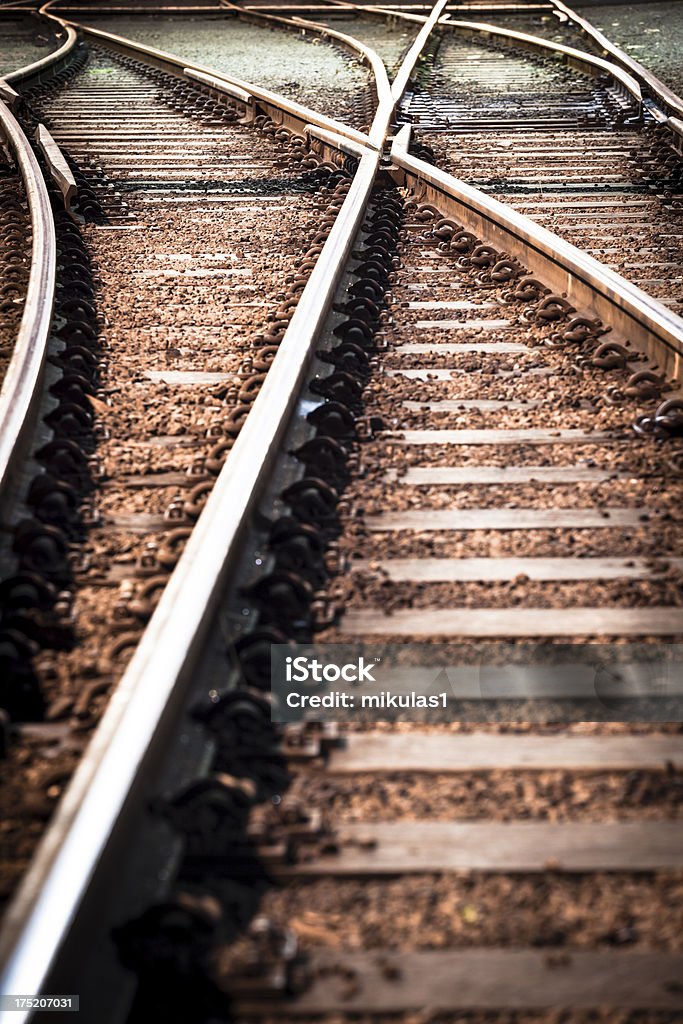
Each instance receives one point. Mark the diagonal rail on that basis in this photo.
(650, 324)
(659, 90)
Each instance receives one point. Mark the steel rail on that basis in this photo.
(579, 58)
(402, 78)
(385, 12)
(384, 110)
(22, 386)
(647, 323)
(45, 64)
(167, 61)
(388, 94)
(659, 90)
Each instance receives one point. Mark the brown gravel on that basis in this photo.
(494, 796)
(368, 591)
(599, 911)
(442, 912)
(566, 398)
(155, 323)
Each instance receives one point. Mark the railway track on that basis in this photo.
(168, 338)
(431, 347)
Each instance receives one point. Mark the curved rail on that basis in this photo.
(99, 792)
(366, 53)
(400, 82)
(22, 387)
(47, 63)
(579, 59)
(53, 891)
(387, 96)
(659, 90)
(378, 127)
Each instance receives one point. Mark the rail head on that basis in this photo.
(650, 325)
(586, 61)
(676, 126)
(377, 129)
(342, 145)
(661, 92)
(21, 390)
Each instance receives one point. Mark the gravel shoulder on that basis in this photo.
(651, 33)
(316, 73)
(23, 41)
